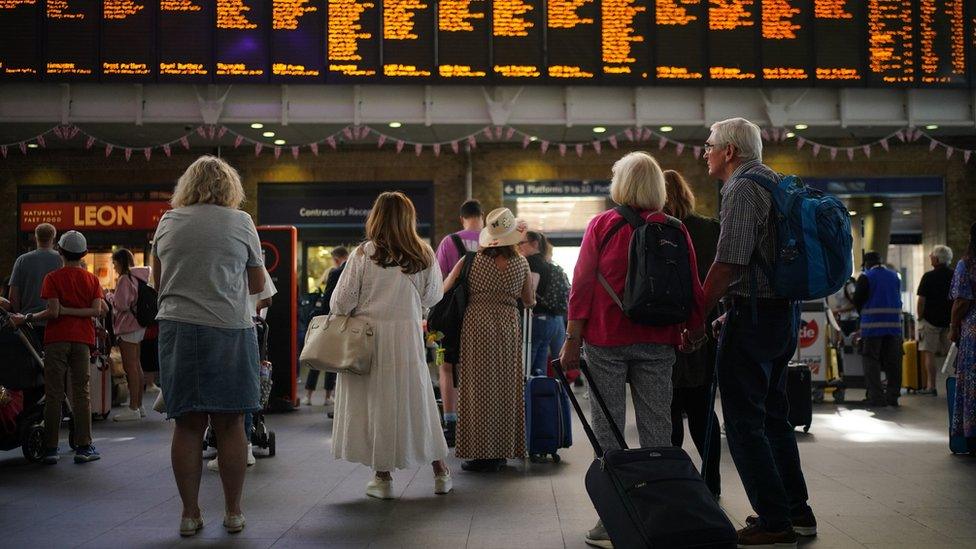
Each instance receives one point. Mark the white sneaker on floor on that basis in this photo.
(190, 526)
(598, 537)
(307, 401)
(213, 465)
(234, 523)
(250, 456)
(380, 489)
(142, 412)
(128, 414)
(443, 484)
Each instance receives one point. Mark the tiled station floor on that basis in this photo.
(882, 480)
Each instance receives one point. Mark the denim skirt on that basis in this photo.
(207, 369)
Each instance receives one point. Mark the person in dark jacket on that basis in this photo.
(552, 301)
(339, 255)
(878, 299)
(693, 372)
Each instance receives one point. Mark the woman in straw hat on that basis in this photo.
(491, 409)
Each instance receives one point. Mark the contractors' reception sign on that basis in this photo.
(92, 216)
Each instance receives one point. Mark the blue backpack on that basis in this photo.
(813, 240)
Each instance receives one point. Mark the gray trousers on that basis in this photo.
(647, 367)
(882, 354)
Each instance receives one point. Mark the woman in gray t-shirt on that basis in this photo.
(206, 260)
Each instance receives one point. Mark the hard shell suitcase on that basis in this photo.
(957, 444)
(100, 387)
(548, 424)
(799, 393)
(910, 376)
(649, 497)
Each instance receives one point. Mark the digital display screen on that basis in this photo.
(865, 43)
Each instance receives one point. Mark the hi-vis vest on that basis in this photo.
(881, 315)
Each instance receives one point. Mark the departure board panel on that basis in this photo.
(732, 28)
(787, 40)
(19, 39)
(680, 32)
(353, 40)
(242, 53)
(840, 30)
(297, 35)
(517, 39)
(186, 40)
(408, 39)
(128, 40)
(860, 43)
(463, 46)
(71, 39)
(573, 39)
(891, 42)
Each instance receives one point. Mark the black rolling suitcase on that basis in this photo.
(649, 497)
(799, 393)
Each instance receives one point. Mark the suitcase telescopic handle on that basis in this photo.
(595, 392)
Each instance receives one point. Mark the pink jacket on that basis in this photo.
(124, 301)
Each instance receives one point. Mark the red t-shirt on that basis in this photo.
(76, 288)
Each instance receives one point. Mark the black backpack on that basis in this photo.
(555, 298)
(448, 315)
(658, 288)
(146, 305)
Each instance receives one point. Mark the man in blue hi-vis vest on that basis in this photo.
(878, 299)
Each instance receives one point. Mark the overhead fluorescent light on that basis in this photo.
(257, 126)
(879, 204)
(396, 124)
(599, 129)
(906, 212)
(932, 127)
(801, 126)
(666, 129)
(790, 135)
(279, 141)
(533, 138)
(32, 145)
(852, 213)
(268, 134)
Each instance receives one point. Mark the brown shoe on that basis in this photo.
(754, 537)
(803, 525)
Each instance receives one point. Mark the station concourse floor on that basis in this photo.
(880, 479)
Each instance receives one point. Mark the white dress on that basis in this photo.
(388, 419)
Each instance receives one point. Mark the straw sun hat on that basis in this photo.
(501, 229)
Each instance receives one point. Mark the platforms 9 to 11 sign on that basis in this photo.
(875, 43)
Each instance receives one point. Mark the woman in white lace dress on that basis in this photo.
(388, 419)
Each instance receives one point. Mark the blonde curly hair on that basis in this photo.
(209, 180)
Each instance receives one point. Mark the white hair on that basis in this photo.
(638, 182)
(943, 254)
(741, 134)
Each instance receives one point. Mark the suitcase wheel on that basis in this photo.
(538, 458)
(271, 444)
(839, 396)
(556, 458)
(33, 443)
(806, 428)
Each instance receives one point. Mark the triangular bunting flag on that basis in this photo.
(850, 153)
(294, 152)
(918, 135)
(698, 152)
(257, 149)
(509, 133)
(23, 147)
(765, 134)
(613, 141)
(148, 153)
(833, 153)
(3, 150)
(661, 143)
(418, 148)
(202, 131)
(128, 154)
(579, 150)
(498, 132)
(472, 141)
(437, 149)
(487, 132)
(364, 132)
(800, 142)
(277, 152)
(629, 133)
(185, 141)
(884, 144)
(74, 132)
(455, 147)
(867, 150)
(399, 146)
(40, 141)
(166, 150)
(679, 149)
(211, 132)
(932, 144)
(562, 149)
(900, 135)
(89, 142)
(544, 147)
(238, 140)
(965, 156)
(597, 146)
(646, 134)
(816, 149)
(314, 148)
(380, 141)
(347, 131)
(222, 132)
(58, 132)
(108, 150)
(525, 141)
(331, 141)
(949, 151)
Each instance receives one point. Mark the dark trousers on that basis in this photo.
(313, 379)
(752, 378)
(879, 354)
(694, 401)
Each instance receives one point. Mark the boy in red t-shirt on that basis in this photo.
(73, 297)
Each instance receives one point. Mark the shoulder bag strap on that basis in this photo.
(459, 244)
(630, 217)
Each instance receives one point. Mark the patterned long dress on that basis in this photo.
(964, 411)
(491, 406)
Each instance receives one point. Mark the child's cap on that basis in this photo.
(74, 242)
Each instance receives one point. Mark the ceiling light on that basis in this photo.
(279, 141)
(879, 204)
(852, 212)
(906, 212)
(32, 145)
(395, 124)
(533, 138)
(790, 134)
(666, 129)
(932, 127)
(268, 134)
(257, 126)
(599, 129)
(801, 126)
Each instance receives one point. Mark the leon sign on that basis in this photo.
(93, 216)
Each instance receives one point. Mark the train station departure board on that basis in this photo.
(870, 43)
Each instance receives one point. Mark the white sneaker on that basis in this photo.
(234, 523)
(380, 488)
(307, 401)
(443, 484)
(250, 456)
(128, 414)
(329, 402)
(213, 465)
(190, 526)
(153, 388)
(142, 412)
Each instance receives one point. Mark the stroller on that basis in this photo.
(22, 373)
(260, 436)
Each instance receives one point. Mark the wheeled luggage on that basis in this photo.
(548, 424)
(100, 386)
(649, 497)
(911, 377)
(799, 394)
(958, 444)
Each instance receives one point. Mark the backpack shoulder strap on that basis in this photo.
(459, 244)
(628, 217)
(762, 181)
(466, 266)
(672, 221)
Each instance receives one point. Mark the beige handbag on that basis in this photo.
(338, 343)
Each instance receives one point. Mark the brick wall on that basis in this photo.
(491, 165)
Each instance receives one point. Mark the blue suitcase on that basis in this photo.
(548, 424)
(957, 444)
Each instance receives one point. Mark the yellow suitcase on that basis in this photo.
(910, 375)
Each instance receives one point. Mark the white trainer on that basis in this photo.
(129, 414)
(250, 456)
(443, 484)
(380, 488)
(234, 523)
(190, 526)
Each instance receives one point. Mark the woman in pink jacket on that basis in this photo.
(128, 332)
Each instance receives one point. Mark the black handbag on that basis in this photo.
(448, 315)
(649, 497)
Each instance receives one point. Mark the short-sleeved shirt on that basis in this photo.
(28, 275)
(204, 251)
(934, 287)
(447, 252)
(745, 227)
(76, 288)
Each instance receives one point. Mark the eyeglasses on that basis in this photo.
(709, 146)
